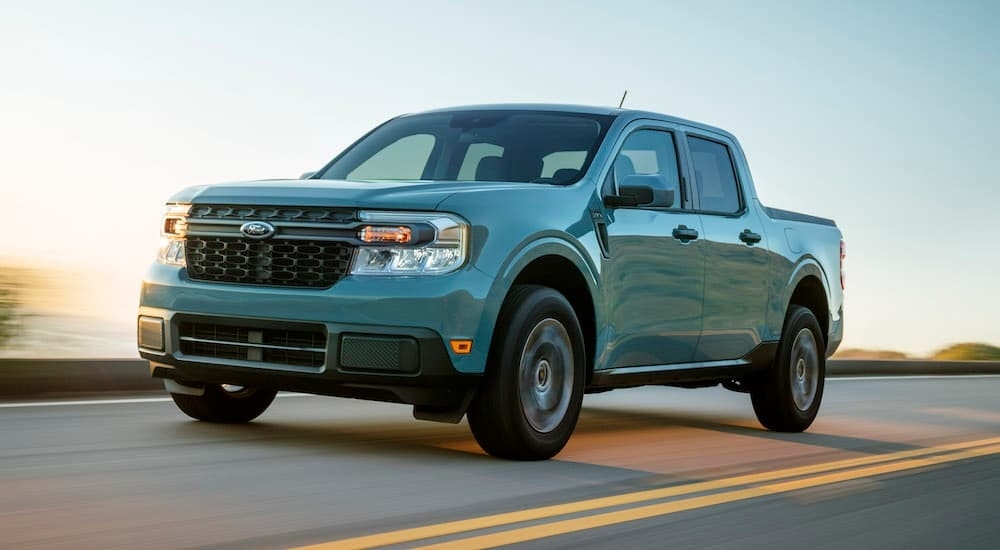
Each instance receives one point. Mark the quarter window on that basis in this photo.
(714, 176)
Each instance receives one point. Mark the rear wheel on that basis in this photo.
(225, 403)
(786, 397)
(533, 389)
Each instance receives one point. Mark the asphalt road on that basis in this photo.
(890, 463)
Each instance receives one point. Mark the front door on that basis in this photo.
(653, 277)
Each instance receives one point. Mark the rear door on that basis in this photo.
(735, 248)
(653, 281)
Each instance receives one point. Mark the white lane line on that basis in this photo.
(109, 401)
(913, 377)
(89, 402)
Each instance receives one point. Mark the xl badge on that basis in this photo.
(257, 230)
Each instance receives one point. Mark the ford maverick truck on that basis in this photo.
(497, 263)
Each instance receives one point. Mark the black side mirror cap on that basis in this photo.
(651, 190)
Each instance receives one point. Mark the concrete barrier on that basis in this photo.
(31, 377)
(909, 367)
(53, 377)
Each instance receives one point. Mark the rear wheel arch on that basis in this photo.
(810, 293)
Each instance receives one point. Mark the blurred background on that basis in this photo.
(879, 115)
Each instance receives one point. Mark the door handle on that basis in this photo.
(750, 237)
(684, 233)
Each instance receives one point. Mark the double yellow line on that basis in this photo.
(742, 487)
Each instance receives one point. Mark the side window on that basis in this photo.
(714, 176)
(403, 159)
(646, 152)
(474, 156)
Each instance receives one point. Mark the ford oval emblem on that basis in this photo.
(257, 230)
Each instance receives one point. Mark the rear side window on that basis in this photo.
(714, 176)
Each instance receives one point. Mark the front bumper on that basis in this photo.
(372, 338)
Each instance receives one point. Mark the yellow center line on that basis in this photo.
(497, 520)
(644, 512)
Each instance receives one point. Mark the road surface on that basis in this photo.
(890, 463)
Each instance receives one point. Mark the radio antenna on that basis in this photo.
(622, 102)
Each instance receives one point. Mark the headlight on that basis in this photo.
(173, 228)
(402, 243)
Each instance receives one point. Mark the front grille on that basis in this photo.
(317, 214)
(302, 347)
(277, 262)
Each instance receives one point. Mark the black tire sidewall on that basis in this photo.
(528, 305)
(219, 405)
(772, 394)
(551, 305)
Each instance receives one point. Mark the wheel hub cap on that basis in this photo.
(545, 375)
(805, 374)
(542, 375)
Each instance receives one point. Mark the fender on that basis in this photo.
(529, 250)
(807, 266)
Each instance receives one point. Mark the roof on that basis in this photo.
(580, 109)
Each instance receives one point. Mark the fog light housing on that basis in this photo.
(150, 333)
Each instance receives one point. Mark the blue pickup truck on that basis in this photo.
(497, 262)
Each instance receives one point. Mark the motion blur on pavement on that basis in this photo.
(315, 470)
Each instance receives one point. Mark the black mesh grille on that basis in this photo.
(304, 348)
(370, 353)
(277, 262)
(271, 213)
(381, 353)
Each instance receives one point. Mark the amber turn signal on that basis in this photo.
(381, 234)
(461, 347)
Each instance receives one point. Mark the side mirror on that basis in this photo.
(307, 175)
(651, 190)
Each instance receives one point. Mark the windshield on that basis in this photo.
(515, 146)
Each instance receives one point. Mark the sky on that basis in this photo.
(881, 115)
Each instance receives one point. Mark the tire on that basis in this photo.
(786, 397)
(531, 396)
(226, 406)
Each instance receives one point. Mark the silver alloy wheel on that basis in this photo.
(805, 369)
(545, 375)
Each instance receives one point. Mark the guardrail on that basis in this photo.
(54, 377)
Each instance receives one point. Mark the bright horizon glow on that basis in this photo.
(881, 116)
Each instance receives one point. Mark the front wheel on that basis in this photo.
(533, 389)
(226, 404)
(786, 397)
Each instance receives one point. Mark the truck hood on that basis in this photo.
(395, 195)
